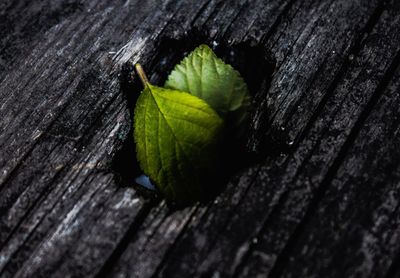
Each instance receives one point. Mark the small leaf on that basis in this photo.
(176, 138)
(206, 76)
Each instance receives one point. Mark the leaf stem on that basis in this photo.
(142, 75)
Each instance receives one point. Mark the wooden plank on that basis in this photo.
(355, 230)
(356, 93)
(64, 116)
(72, 120)
(16, 34)
(223, 250)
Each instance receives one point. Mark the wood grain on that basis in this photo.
(320, 199)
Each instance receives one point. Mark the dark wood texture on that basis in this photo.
(322, 199)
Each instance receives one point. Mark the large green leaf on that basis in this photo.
(176, 138)
(206, 76)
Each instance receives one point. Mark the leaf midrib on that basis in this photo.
(169, 126)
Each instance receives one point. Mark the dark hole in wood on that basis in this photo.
(254, 64)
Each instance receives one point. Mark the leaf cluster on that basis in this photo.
(179, 129)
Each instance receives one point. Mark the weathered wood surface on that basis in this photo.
(324, 204)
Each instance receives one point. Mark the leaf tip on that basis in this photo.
(204, 48)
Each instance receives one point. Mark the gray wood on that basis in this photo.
(320, 199)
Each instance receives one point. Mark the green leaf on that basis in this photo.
(176, 138)
(206, 76)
